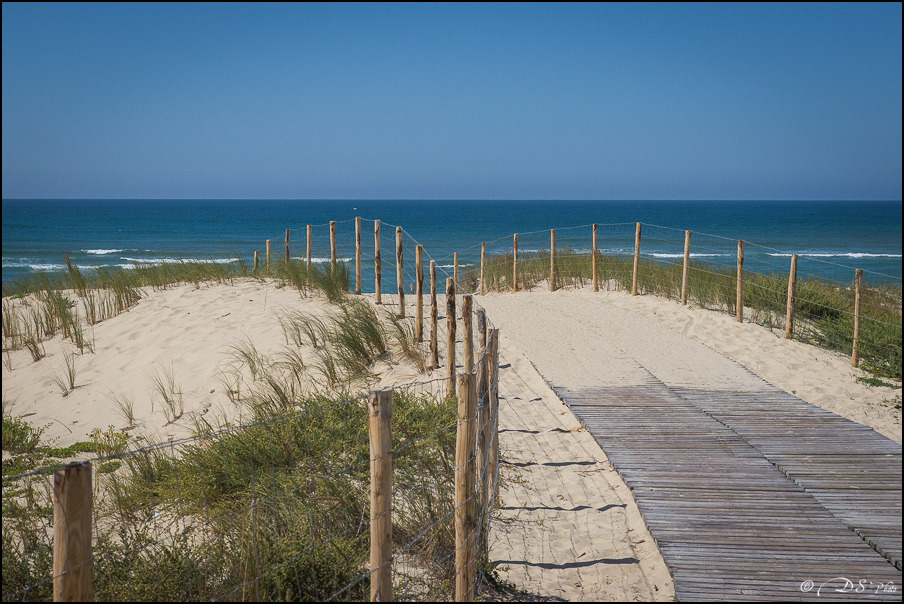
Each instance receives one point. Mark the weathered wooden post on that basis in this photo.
(740, 300)
(72, 522)
(333, 252)
(400, 271)
(287, 246)
(858, 286)
(552, 260)
(380, 416)
(450, 333)
(484, 436)
(255, 260)
(310, 244)
(378, 263)
(492, 355)
(465, 491)
(792, 286)
(596, 283)
(636, 260)
(419, 276)
(455, 266)
(515, 264)
(684, 270)
(434, 315)
(358, 255)
(467, 305)
(268, 253)
(483, 257)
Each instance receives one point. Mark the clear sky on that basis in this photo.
(452, 101)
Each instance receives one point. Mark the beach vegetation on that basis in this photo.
(65, 379)
(19, 436)
(126, 406)
(109, 442)
(164, 382)
(403, 331)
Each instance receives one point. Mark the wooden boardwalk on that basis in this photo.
(754, 495)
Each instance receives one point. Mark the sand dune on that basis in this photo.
(568, 527)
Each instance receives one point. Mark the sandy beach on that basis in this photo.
(568, 527)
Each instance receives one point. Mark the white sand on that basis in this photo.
(568, 526)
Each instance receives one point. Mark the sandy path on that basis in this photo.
(568, 527)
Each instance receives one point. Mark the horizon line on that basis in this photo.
(430, 199)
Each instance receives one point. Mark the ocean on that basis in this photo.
(832, 238)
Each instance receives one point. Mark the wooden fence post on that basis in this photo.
(333, 252)
(287, 246)
(636, 260)
(255, 260)
(858, 286)
(419, 275)
(792, 286)
(310, 244)
(465, 483)
(484, 438)
(740, 300)
(515, 264)
(378, 263)
(455, 266)
(268, 253)
(684, 270)
(552, 260)
(467, 325)
(434, 347)
(72, 530)
(450, 333)
(380, 416)
(483, 257)
(492, 355)
(596, 283)
(400, 271)
(358, 255)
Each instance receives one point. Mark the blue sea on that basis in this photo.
(832, 238)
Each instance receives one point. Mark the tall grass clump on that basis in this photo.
(164, 381)
(355, 338)
(403, 331)
(65, 380)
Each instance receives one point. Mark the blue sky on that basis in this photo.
(452, 101)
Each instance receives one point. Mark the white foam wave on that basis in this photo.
(102, 252)
(146, 261)
(663, 255)
(837, 255)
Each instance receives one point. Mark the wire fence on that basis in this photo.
(283, 506)
(753, 282)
